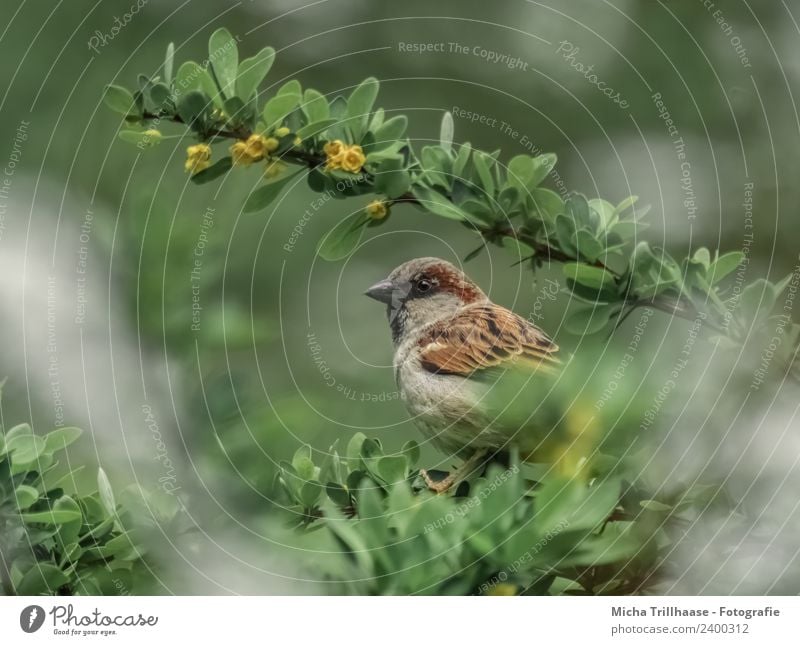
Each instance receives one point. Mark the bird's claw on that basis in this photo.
(437, 487)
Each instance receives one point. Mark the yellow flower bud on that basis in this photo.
(198, 157)
(503, 589)
(297, 142)
(153, 136)
(377, 209)
(271, 144)
(282, 132)
(273, 169)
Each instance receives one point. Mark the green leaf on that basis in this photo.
(589, 320)
(393, 468)
(301, 461)
(25, 449)
(278, 108)
(193, 108)
(291, 88)
(315, 106)
(440, 205)
(605, 210)
(169, 61)
(265, 195)
(392, 129)
(359, 106)
(315, 129)
(338, 494)
(106, 493)
(64, 510)
(546, 204)
(391, 179)
(41, 578)
(446, 131)
(480, 160)
(252, 72)
(354, 446)
(411, 450)
(139, 138)
(25, 496)
(214, 171)
(61, 438)
(724, 265)
(160, 95)
(589, 276)
(18, 431)
(520, 172)
(118, 99)
(544, 165)
(310, 492)
(342, 240)
(224, 56)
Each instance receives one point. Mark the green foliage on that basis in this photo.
(606, 263)
(79, 543)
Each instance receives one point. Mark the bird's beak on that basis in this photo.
(381, 291)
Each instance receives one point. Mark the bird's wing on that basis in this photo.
(484, 336)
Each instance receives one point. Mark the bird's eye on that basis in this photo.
(423, 285)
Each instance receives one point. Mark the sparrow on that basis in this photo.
(448, 337)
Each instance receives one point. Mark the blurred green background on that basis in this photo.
(98, 239)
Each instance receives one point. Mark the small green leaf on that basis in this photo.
(61, 438)
(338, 494)
(252, 72)
(354, 446)
(41, 578)
(359, 106)
(520, 172)
(315, 106)
(310, 492)
(724, 265)
(480, 160)
(438, 204)
(64, 510)
(393, 468)
(342, 240)
(214, 171)
(392, 129)
(315, 129)
(223, 53)
(106, 492)
(118, 99)
(446, 131)
(25, 496)
(169, 62)
(139, 138)
(25, 449)
(265, 195)
(589, 320)
(278, 108)
(193, 108)
(589, 276)
(544, 165)
(291, 88)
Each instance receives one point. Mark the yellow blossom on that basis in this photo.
(333, 152)
(271, 144)
(153, 136)
(273, 169)
(256, 146)
(297, 141)
(240, 154)
(282, 132)
(377, 209)
(503, 589)
(198, 157)
(353, 159)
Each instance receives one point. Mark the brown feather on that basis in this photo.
(482, 336)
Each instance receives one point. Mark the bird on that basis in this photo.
(448, 338)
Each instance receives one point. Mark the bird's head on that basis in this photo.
(422, 291)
